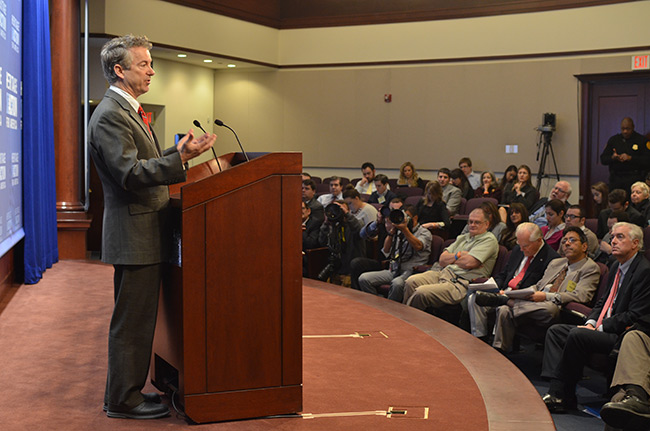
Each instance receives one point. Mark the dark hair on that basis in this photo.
(396, 200)
(458, 173)
(577, 230)
(604, 192)
(351, 193)
(619, 216)
(368, 165)
(305, 174)
(617, 196)
(521, 209)
(381, 178)
(410, 209)
(445, 171)
(529, 182)
(310, 183)
(579, 208)
(491, 213)
(434, 189)
(504, 181)
(465, 160)
(556, 205)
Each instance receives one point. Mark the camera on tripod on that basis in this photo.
(548, 123)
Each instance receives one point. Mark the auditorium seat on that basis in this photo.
(405, 192)
(412, 200)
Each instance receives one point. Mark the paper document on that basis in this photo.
(520, 293)
(490, 284)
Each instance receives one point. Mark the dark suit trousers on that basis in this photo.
(131, 333)
(567, 349)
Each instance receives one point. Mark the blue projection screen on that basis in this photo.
(11, 214)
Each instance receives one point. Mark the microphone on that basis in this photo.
(214, 153)
(220, 123)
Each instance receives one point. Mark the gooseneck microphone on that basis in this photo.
(221, 124)
(214, 153)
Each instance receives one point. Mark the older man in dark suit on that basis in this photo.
(568, 347)
(136, 239)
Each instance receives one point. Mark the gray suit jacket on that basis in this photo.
(579, 285)
(134, 176)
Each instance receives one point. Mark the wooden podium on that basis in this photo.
(229, 332)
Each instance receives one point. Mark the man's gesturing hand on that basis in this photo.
(190, 147)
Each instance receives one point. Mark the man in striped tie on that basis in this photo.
(568, 347)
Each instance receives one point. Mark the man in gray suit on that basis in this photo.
(574, 277)
(135, 239)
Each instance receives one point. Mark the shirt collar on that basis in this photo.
(134, 103)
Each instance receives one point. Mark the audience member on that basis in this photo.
(366, 185)
(628, 156)
(465, 164)
(599, 192)
(639, 199)
(618, 202)
(496, 226)
(407, 245)
(459, 179)
(310, 229)
(335, 194)
(471, 256)
(408, 176)
(308, 192)
(376, 230)
(364, 212)
(509, 176)
(575, 217)
(525, 266)
(517, 214)
(451, 195)
(629, 408)
(605, 255)
(432, 211)
(306, 176)
(489, 187)
(552, 232)
(382, 193)
(340, 233)
(561, 191)
(568, 347)
(520, 190)
(572, 278)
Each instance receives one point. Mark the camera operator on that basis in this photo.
(407, 245)
(340, 233)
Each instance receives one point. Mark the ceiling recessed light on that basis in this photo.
(207, 60)
(182, 55)
(232, 65)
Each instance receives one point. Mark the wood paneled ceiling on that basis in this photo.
(285, 14)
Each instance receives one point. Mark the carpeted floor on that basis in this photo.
(53, 364)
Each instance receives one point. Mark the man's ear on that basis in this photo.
(119, 70)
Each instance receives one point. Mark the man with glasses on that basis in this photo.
(561, 191)
(573, 277)
(471, 256)
(575, 216)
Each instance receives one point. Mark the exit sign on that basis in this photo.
(640, 62)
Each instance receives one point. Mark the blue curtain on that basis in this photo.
(39, 192)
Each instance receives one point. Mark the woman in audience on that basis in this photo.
(552, 232)
(639, 198)
(492, 213)
(408, 176)
(459, 179)
(521, 190)
(517, 214)
(432, 211)
(489, 187)
(508, 176)
(600, 192)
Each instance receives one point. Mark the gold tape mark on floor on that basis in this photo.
(392, 412)
(355, 335)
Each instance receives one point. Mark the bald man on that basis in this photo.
(628, 155)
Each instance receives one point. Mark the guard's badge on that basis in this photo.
(647, 145)
(635, 147)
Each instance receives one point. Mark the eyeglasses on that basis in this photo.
(475, 221)
(569, 240)
(571, 216)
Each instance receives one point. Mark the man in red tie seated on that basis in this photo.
(568, 347)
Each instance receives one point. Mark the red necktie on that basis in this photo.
(144, 118)
(517, 279)
(607, 308)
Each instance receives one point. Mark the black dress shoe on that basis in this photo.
(489, 299)
(153, 397)
(559, 405)
(631, 413)
(145, 410)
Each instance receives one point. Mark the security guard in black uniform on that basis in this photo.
(628, 156)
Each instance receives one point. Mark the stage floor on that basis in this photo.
(368, 363)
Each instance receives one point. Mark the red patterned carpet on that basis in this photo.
(363, 357)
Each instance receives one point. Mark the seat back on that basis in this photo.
(592, 224)
(436, 249)
(502, 258)
(405, 192)
(412, 200)
(474, 203)
(462, 207)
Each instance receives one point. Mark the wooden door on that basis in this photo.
(606, 100)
